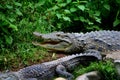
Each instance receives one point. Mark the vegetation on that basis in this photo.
(19, 18)
(107, 70)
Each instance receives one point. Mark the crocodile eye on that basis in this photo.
(64, 36)
(81, 40)
(58, 35)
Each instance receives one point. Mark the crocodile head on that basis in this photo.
(56, 41)
(8, 76)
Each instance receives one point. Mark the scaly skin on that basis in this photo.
(47, 70)
(102, 41)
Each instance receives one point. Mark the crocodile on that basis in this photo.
(104, 41)
(47, 70)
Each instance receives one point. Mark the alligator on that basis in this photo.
(47, 70)
(103, 41)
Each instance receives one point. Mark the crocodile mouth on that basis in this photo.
(52, 42)
(54, 45)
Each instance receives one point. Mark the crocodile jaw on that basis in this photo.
(61, 46)
(53, 44)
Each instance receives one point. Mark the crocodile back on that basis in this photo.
(38, 71)
(102, 40)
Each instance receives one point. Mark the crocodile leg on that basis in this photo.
(61, 70)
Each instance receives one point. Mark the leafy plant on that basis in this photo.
(18, 20)
(83, 14)
(7, 24)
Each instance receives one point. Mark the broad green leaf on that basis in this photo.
(18, 12)
(74, 2)
(62, 4)
(116, 22)
(8, 39)
(73, 9)
(11, 19)
(81, 7)
(106, 6)
(66, 18)
(68, 1)
(97, 13)
(67, 11)
(58, 15)
(55, 7)
(41, 2)
(13, 27)
(90, 23)
(82, 19)
(17, 4)
(98, 19)
(9, 6)
(85, 1)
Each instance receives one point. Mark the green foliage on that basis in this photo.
(106, 69)
(9, 14)
(66, 13)
(18, 20)
(84, 14)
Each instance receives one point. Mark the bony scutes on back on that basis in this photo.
(9, 76)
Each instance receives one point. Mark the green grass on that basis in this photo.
(25, 56)
(107, 70)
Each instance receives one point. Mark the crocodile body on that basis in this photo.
(103, 41)
(47, 70)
